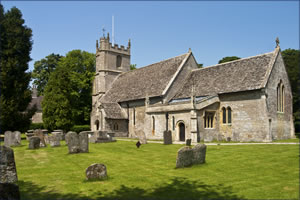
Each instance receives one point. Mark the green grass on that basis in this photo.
(230, 172)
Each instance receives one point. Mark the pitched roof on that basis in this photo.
(113, 111)
(150, 81)
(239, 75)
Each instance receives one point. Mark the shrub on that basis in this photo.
(34, 126)
(79, 128)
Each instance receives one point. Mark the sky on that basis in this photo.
(162, 29)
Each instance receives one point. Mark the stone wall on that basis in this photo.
(117, 126)
(281, 123)
(37, 117)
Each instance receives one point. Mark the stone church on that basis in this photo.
(249, 99)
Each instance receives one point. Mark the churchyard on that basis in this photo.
(230, 172)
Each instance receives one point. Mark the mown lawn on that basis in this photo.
(230, 172)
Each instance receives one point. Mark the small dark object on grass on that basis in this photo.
(138, 144)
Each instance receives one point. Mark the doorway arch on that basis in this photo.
(181, 128)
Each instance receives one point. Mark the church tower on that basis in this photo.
(111, 61)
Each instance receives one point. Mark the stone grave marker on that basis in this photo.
(84, 142)
(54, 140)
(8, 175)
(167, 137)
(12, 138)
(39, 133)
(34, 142)
(73, 142)
(184, 157)
(96, 171)
(29, 134)
(199, 154)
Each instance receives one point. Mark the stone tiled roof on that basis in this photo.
(146, 81)
(36, 101)
(239, 75)
(113, 111)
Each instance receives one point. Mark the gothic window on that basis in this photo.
(153, 125)
(224, 115)
(229, 115)
(116, 127)
(209, 120)
(173, 119)
(280, 97)
(119, 61)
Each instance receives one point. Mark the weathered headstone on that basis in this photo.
(54, 140)
(167, 137)
(184, 157)
(100, 137)
(188, 142)
(67, 137)
(46, 138)
(199, 153)
(60, 133)
(142, 137)
(39, 133)
(73, 142)
(12, 138)
(8, 175)
(34, 142)
(96, 171)
(84, 142)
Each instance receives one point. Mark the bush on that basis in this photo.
(79, 128)
(34, 126)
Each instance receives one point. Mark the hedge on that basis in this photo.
(79, 128)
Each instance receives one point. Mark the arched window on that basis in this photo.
(133, 116)
(119, 61)
(280, 97)
(153, 125)
(173, 118)
(229, 115)
(116, 127)
(224, 115)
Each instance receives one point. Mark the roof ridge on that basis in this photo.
(155, 63)
(241, 59)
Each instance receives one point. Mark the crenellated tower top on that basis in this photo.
(106, 45)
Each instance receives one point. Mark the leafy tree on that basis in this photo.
(57, 110)
(43, 69)
(132, 66)
(228, 59)
(73, 102)
(200, 65)
(15, 94)
(291, 59)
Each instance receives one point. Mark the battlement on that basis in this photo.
(106, 45)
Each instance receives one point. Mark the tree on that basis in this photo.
(132, 66)
(74, 93)
(228, 59)
(291, 59)
(15, 94)
(42, 70)
(57, 110)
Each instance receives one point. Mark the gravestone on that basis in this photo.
(8, 175)
(184, 157)
(188, 142)
(39, 133)
(84, 142)
(34, 142)
(12, 138)
(142, 137)
(138, 144)
(60, 133)
(167, 137)
(29, 134)
(67, 137)
(188, 156)
(46, 138)
(96, 171)
(54, 140)
(73, 142)
(100, 137)
(199, 154)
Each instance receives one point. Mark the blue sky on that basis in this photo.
(163, 29)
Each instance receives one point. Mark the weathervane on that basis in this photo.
(277, 42)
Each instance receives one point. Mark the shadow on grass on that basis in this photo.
(178, 188)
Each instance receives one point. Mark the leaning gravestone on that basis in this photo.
(39, 133)
(184, 157)
(8, 175)
(34, 142)
(96, 171)
(84, 142)
(54, 140)
(73, 142)
(199, 154)
(167, 137)
(12, 138)
(142, 137)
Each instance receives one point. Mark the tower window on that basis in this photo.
(119, 61)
